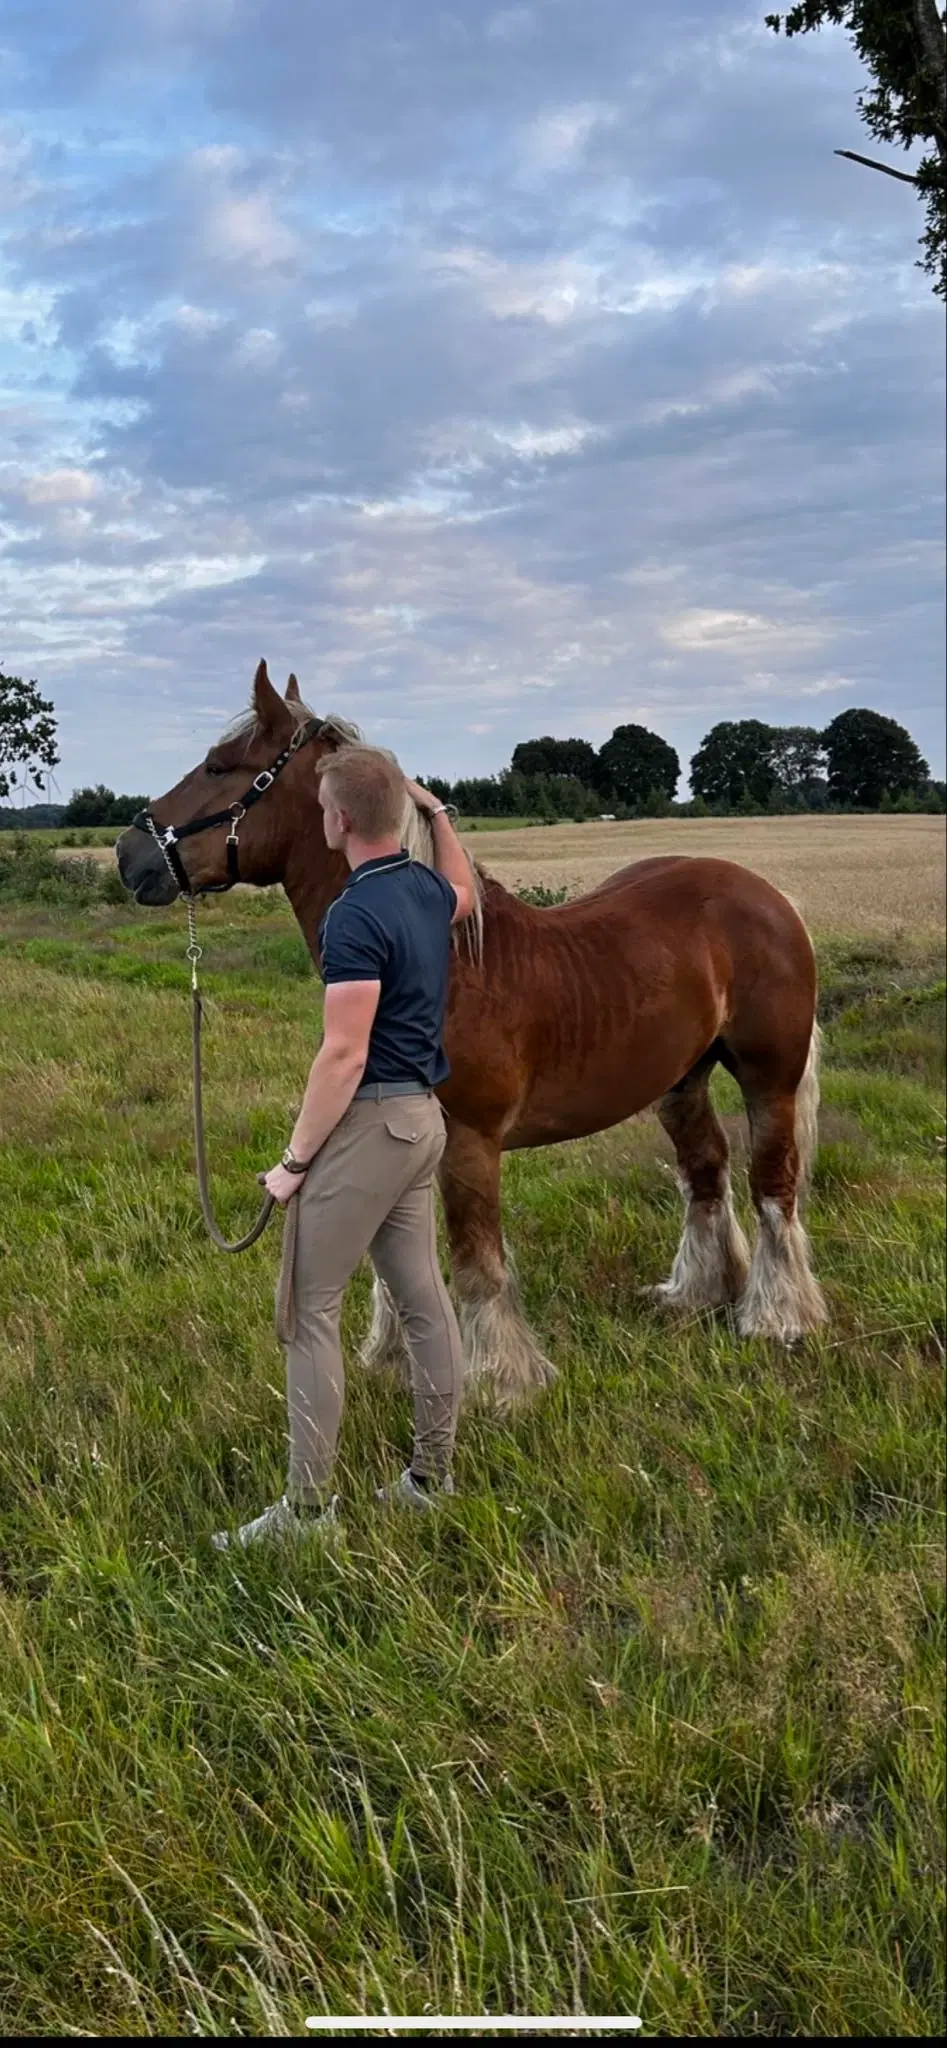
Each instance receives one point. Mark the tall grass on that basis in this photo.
(648, 1720)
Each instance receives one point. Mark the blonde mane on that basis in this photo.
(416, 831)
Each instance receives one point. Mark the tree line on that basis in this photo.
(90, 806)
(861, 761)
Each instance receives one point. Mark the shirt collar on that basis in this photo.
(381, 861)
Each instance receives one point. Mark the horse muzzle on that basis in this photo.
(144, 870)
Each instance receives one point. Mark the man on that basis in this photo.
(361, 1161)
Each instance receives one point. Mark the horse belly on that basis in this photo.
(624, 1071)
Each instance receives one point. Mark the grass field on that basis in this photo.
(650, 1720)
(82, 836)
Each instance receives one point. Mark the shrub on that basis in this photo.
(542, 898)
(32, 874)
(112, 889)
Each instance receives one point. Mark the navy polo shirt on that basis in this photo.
(392, 923)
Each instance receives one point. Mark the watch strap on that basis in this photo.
(292, 1164)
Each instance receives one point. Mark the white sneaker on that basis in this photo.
(282, 1523)
(406, 1493)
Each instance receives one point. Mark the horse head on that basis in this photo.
(214, 827)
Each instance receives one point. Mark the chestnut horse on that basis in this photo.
(560, 1022)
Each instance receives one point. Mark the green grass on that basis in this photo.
(649, 1720)
(65, 835)
(517, 823)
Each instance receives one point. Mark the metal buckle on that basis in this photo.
(168, 838)
(264, 780)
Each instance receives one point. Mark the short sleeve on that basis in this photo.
(354, 946)
(448, 891)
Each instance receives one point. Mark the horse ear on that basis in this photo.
(267, 702)
(291, 692)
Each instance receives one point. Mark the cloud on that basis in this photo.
(554, 140)
(485, 366)
(741, 634)
(59, 487)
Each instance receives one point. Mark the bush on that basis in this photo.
(112, 889)
(32, 874)
(542, 898)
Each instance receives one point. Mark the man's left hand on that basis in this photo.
(423, 798)
(281, 1184)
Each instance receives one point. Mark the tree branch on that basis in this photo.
(906, 177)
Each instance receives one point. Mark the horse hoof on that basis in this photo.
(663, 1296)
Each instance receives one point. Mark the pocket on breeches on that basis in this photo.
(417, 1138)
(404, 1129)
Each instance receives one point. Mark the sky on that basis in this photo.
(501, 369)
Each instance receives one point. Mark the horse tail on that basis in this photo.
(807, 1111)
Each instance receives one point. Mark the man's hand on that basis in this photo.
(449, 856)
(423, 798)
(281, 1184)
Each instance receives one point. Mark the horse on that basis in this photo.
(561, 1022)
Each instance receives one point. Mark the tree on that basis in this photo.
(556, 757)
(101, 806)
(125, 808)
(798, 760)
(868, 754)
(657, 804)
(31, 817)
(27, 733)
(634, 762)
(437, 786)
(477, 796)
(734, 764)
(90, 806)
(904, 46)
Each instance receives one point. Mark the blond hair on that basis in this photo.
(367, 783)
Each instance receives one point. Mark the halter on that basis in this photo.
(168, 837)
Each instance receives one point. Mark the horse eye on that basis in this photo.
(212, 768)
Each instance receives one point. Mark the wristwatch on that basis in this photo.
(294, 1165)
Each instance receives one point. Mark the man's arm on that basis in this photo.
(335, 1074)
(449, 856)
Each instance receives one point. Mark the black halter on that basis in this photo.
(167, 837)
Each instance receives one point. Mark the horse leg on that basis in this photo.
(386, 1348)
(782, 1298)
(502, 1357)
(713, 1257)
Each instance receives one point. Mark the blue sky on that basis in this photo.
(502, 369)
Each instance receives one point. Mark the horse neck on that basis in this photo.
(312, 879)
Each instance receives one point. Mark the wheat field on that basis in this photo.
(879, 875)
